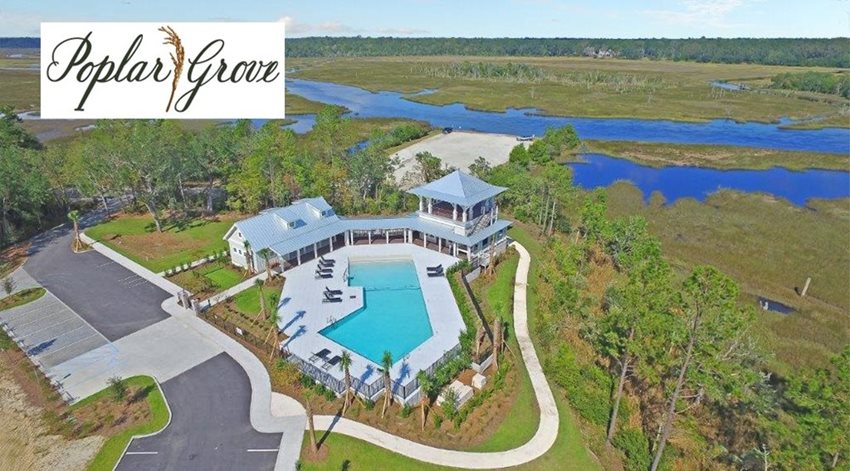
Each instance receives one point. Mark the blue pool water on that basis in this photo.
(599, 170)
(393, 317)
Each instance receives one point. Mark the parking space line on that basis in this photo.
(94, 334)
(55, 324)
(261, 450)
(142, 453)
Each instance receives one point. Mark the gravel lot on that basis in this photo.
(458, 149)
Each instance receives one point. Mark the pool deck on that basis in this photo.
(303, 314)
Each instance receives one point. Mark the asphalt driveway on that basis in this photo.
(113, 299)
(210, 427)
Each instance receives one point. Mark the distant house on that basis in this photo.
(457, 215)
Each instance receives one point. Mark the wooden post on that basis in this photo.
(806, 287)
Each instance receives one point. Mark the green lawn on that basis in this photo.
(522, 419)
(135, 237)
(21, 297)
(248, 301)
(111, 452)
(224, 277)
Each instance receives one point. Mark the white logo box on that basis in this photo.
(246, 49)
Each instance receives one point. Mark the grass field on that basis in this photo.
(21, 297)
(721, 157)
(770, 247)
(135, 237)
(108, 456)
(586, 87)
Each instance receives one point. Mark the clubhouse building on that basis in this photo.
(457, 216)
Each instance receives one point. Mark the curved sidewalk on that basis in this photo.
(542, 440)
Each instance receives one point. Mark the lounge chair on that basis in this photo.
(326, 261)
(323, 354)
(329, 298)
(434, 274)
(333, 292)
(324, 264)
(324, 275)
(438, 268)
(331, 363)
(324, 270)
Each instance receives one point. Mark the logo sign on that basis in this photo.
(162, 70)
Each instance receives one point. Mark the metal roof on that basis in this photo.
(458, 188)
(277, 224)
(270, 228)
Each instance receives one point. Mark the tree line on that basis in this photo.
(663, 362)
(827, 52)
(170, 171)
(819, 82)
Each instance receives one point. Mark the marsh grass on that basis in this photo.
(770, 247)
(579, 87)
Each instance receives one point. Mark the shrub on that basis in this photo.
(588, 386)
(117, 388)
(438, 421)
(633, 443)
(405, 411)
(370, 404)
(450, 402)
(307, 381)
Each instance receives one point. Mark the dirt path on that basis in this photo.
(24, 443)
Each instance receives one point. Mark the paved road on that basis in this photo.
(114, 300)
(210, 427)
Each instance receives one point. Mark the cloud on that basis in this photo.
(712, 13)
(19, 24)
(296, 28)
(335, 28)
(402, 31)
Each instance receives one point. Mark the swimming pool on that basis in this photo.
(393, 316)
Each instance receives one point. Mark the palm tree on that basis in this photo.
(274, 332)
(259, 285)
(387, 362)
(345, 367)
(266, 254)
(425, 387)
(249, 257)
(74, 216)
(497, 341)
(308, 395)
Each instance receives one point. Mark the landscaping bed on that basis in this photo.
(242, 311)
(182, 240)
(21, 297)
(141, 409)
(210, 278)
(13, 257)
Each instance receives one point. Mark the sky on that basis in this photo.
(467, 18)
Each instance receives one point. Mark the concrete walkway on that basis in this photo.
(542, 440)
